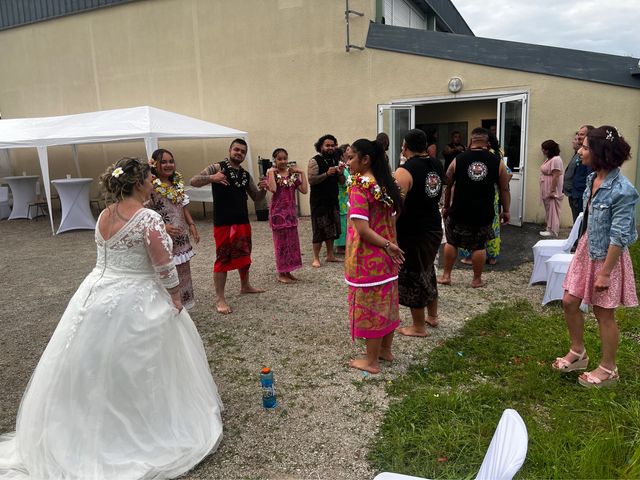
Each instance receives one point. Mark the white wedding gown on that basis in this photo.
(123, 389)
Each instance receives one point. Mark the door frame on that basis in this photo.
(486, 95)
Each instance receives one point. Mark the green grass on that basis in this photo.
(447, 408)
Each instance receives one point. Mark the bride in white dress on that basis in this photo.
(123, 389)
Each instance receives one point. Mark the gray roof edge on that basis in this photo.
(554, 61)
(449, 14)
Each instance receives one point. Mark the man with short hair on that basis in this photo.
(419, 229)
(475, 174)
(325, 173)
(230, 185)
(453, 149)
(579, 175)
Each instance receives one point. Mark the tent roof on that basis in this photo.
(108, 126)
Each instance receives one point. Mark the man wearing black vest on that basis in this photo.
(419, 229)
(473, 177)
(325, 173)
(230, 185)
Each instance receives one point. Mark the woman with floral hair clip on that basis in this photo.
(601, 272)
(170, 201)
(123, 389)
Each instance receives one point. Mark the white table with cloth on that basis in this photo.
(23, 189)
(200, 194)
(74, 199)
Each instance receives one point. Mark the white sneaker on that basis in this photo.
(546, 233)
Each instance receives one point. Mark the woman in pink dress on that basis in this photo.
(601, 272)
(283, 182)
(551, 187)
(372, 255)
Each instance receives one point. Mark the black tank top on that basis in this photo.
(476, 178)
(324, 194)
(421, 212)
(230, 201)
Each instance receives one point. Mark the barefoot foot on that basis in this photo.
(363, 364)
(478, 284)
(466, 261)
(443, 280)
(315, 263)
(223, 308)
(284, 278)
(432, 321)
(291, 277)
(251, 289)
(334, 259)
(412, 331)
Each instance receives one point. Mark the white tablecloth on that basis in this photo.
(74, 199)
(23, 190)
(200, 194)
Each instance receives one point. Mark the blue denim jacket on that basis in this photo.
(612, 217)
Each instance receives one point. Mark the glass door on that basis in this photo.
(395, 121)
(512, 133)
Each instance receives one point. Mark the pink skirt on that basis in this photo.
(374, 311)
(583, 272)
(286, 245)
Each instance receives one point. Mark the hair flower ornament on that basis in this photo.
(117, 172)
(610, 136)
(152, 163)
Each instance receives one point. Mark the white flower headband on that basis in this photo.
(117, 172)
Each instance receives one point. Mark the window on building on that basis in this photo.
(403, 13)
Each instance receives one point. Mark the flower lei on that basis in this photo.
(378, 193)
(289, 181)
(173, 192)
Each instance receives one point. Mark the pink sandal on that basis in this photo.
(589, 380)
(563, 365)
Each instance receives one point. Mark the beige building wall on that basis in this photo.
(277, 69)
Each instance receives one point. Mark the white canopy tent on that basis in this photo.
(126, 124)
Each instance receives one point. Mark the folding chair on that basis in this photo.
(543, 250)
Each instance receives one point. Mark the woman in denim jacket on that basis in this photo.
(601, 273)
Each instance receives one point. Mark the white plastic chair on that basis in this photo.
(557, 267)
(545, 249)
(5, 209)
(505, 455)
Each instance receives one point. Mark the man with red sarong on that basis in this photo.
(231, 184)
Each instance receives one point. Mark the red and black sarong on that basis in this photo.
(233, 247)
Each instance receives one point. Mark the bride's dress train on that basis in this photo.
(123, 389)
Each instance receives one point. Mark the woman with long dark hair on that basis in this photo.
(601, 272)
(372, 256)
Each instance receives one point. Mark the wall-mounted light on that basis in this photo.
(455, 84)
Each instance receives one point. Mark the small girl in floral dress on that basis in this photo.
(170, 201)
(283, 182)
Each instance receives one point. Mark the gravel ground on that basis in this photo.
(328, 412)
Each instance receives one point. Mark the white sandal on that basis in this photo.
(563, 365)
(589, 380)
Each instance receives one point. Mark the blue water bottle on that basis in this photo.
(268, 391)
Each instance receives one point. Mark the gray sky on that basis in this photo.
(606, 26)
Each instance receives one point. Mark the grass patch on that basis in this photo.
(449, 406)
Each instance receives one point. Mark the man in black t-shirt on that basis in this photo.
(230, 185)
(419, 230)
(473, 177)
